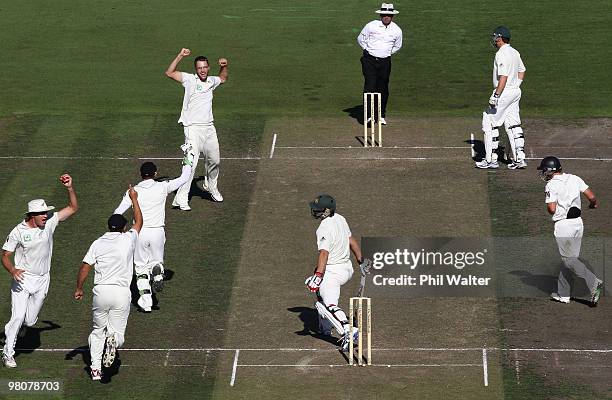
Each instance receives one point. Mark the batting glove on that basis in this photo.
(493, 100)
(314, 282)
(365, 266)
(188, 154)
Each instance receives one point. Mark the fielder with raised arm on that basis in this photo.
(149, 253)
(111, 256)
(197, 119)
(508, 74)
(563, 203)
(31, 242)
(334, 268)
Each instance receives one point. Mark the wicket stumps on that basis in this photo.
(358, 301)
(372, 99)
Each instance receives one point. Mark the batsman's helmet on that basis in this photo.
(323, 206)
(548, 166)
(500, 32)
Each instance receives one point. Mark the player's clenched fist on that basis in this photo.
(223, 62)
(313, 282)
(184, 52)
(66, 180)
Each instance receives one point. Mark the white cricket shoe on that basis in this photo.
(111, 350)
(383, 121)
(96, 374)
(9, 362)
(517, 165)
(484, 164)
(560, 299)
(216, 196)
(205, 184)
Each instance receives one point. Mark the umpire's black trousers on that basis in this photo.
(376, 72)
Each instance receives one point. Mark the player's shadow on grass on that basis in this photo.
(197, 190)
(479, 151)
(310, 319)
(31, 340)
(107, 373)
(168, 275)
(355, 112)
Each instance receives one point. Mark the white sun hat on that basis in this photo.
(38, 206)
(387, 8)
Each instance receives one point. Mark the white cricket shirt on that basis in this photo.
(197, 101)
(379, 40)
(33, 247)
(508, 62)
(333, 235)
(112, 256)
(564, 189)
(152, 198)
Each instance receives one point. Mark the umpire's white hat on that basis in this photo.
(387, 9)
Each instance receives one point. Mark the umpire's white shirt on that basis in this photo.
(379, 40)
(33, 247)
(197, 101)
(113, 256)
(508, 62)
(333, 235)
(564, 189)
(152, 198)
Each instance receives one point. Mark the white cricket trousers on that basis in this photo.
(111, 308)
(148, 253)
(335, 276)
(508, 108)
(568, 234)
(27, 299)
(204, 140)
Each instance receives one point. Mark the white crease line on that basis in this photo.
(384, 148)
(289, 349)
(273, 144)
(346, 365)
(485, 369)
(110, 158)
(234, 368)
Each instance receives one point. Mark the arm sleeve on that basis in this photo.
(362, 38)
(521, 67)
(90, 257)
(12, 241)
(502, 64)
(323, 239)
(582, 186)
(124, 205)
(52, 222)
(180, 181)
(185, 79)
(216, 81)
(551, 194)
(398, 43)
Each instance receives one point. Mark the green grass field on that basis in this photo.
(83, 91)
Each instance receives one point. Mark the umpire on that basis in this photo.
(379, 39)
